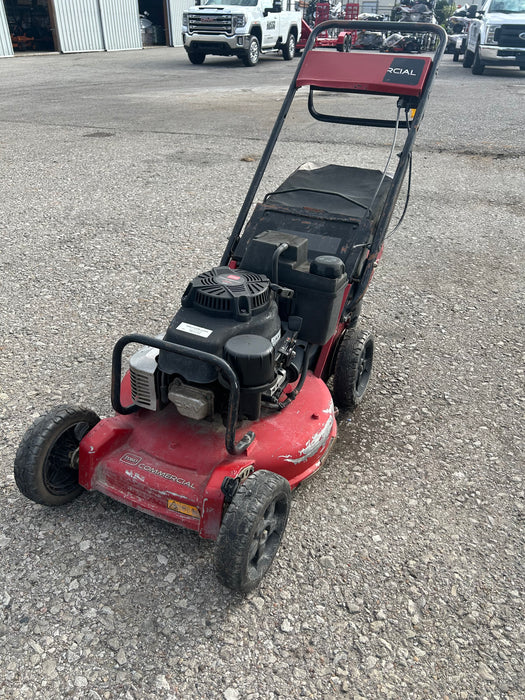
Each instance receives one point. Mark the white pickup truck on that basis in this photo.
(242, 28)
(496, 35)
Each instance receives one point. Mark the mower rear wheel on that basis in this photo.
(251, 530)
(353, 367)
(46, 463)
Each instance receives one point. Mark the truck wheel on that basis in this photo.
(251, 57)
(289, 48)
(353, 367)
(46, 463)
(196, 57)
(251, 530)
(477, 66)
(468, 59)
(455, 57)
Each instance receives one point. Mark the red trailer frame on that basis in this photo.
(342, 41)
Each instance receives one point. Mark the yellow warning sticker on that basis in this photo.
(183, 508)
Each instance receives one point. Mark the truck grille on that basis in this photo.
(203, 23)
(509, 36)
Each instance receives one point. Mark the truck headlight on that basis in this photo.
(238, 21)
(492, 30)
(184, 20)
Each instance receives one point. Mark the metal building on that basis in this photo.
(71, 26)
(6, 45)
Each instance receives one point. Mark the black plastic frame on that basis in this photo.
(232, 447)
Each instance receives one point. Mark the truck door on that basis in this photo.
(270, 24)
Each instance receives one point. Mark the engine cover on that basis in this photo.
(216, 306)
(228, 293)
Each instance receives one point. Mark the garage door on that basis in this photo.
(120, 23)
(175, 10)
(79, 25)
(98, 25)
(6, 47)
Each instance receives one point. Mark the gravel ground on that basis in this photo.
(401, 571)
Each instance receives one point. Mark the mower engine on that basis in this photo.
(264, 331)
(231, 314)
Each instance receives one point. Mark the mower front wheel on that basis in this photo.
(46, 463)
(251, 530)
(353, 367)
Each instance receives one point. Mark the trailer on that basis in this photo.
(341, 41)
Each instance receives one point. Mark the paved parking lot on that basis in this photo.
(401, 571)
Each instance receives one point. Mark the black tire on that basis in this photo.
(251, 57)
(251, 530)
(289, 48)
(468, 59)
(477, 66)
(46, 463)
(353, 368)
(347, 43)
(196, 57)
(455, 57)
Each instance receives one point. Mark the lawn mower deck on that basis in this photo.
(149, 461)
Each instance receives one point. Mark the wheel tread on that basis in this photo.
(35, 445)
(243, 512)
(346, 366)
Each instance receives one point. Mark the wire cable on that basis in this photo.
(394, 140)
(391, 233)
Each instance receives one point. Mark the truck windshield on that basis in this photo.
(507, 6)
(243, 3)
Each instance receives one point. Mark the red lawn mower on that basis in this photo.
(219, 419)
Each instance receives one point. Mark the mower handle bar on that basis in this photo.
(344, 25)
(232, 447)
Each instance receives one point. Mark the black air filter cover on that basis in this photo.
(252, 357)
(237, 294)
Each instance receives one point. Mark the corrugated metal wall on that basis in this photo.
(79, 25)
(98, 25)
(120, 24)
(175, 10)
(6, 45)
